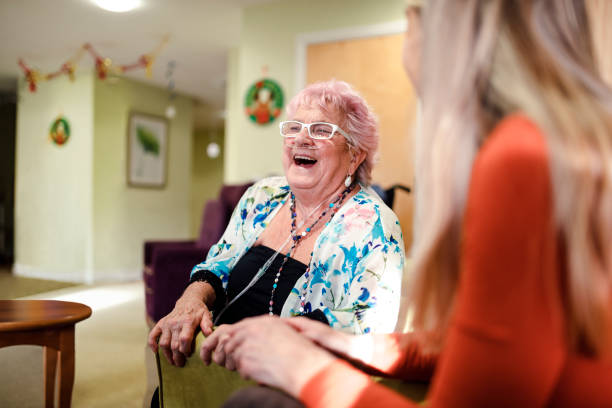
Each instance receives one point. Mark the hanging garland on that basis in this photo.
(104, 65)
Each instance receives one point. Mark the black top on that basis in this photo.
(256, 301)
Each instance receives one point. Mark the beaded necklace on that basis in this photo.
(333, 207)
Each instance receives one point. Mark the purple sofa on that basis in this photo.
(167, 264)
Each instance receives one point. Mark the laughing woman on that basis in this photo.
(317, 242)
(512, 301)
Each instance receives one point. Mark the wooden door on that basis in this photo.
(373, 66)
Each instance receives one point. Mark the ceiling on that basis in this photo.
(47, 33)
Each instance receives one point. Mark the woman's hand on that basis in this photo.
(175, 331)
(266, 350)
(363, 350)
(335, 341)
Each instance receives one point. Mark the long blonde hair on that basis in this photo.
(482, 60)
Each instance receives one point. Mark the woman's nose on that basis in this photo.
(303, 137)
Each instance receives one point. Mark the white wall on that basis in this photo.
(53, 184)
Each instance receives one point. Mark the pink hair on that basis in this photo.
(357, 118)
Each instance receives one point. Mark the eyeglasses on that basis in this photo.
(316, 130)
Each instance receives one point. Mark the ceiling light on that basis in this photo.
(118, 6)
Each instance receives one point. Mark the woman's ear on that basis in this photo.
(357, 157)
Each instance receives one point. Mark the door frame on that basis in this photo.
(302, 41)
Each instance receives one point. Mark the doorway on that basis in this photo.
(373, 65)
(8, 116)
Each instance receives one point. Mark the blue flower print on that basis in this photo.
(365, 295)
(352, 280)
(350, 260)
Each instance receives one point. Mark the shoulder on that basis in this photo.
(370, 205)
(366, 209)
(516, 143)
(275, 182)
(268, 188)
(370, 197)
(511, 171)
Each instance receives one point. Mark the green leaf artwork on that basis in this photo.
(148, 141)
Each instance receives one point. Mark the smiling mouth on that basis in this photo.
(304, 161)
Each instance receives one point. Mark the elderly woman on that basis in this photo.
(512, 301)
(317, 242)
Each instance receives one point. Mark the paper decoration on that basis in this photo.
(104, 65)
(264, 101)
(59, 131)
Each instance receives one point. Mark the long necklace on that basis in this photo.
(333, 208)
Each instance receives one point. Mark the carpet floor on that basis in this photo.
(13, 287)
(113, 368)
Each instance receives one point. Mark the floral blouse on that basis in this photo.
(356, 265)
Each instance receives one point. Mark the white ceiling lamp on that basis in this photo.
(118, 6)
(170, 112)
(213, 150)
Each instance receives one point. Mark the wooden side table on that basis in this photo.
(50, 324)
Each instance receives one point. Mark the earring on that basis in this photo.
(347, 181)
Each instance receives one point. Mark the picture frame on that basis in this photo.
(147, 152)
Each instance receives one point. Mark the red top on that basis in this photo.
(506, 345)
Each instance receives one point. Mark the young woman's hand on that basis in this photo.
(267, 350)
(342, 344)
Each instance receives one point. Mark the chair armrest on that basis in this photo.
(198, 385)
(195, 384)
(414, 390)
(151, 246)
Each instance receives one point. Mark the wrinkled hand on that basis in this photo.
(266, 350)
(175, 331)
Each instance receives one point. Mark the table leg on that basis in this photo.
(49, 366)
(66, 366)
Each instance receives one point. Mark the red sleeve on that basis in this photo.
(397, 355)
(505, 343)
(341, 385)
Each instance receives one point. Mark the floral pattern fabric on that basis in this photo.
(356, 266)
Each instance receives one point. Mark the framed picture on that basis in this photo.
(147, 150)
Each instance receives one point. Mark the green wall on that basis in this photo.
(207, 174)
(268, 38)
(124, 217)
(53, 184)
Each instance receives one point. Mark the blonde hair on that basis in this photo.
(497, 57)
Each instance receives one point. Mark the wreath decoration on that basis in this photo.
(60, 131)
(264, 101)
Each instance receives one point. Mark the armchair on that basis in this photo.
(167, 264)
(388, 194)
(198, 385)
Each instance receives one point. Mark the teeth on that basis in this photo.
(303, 159)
